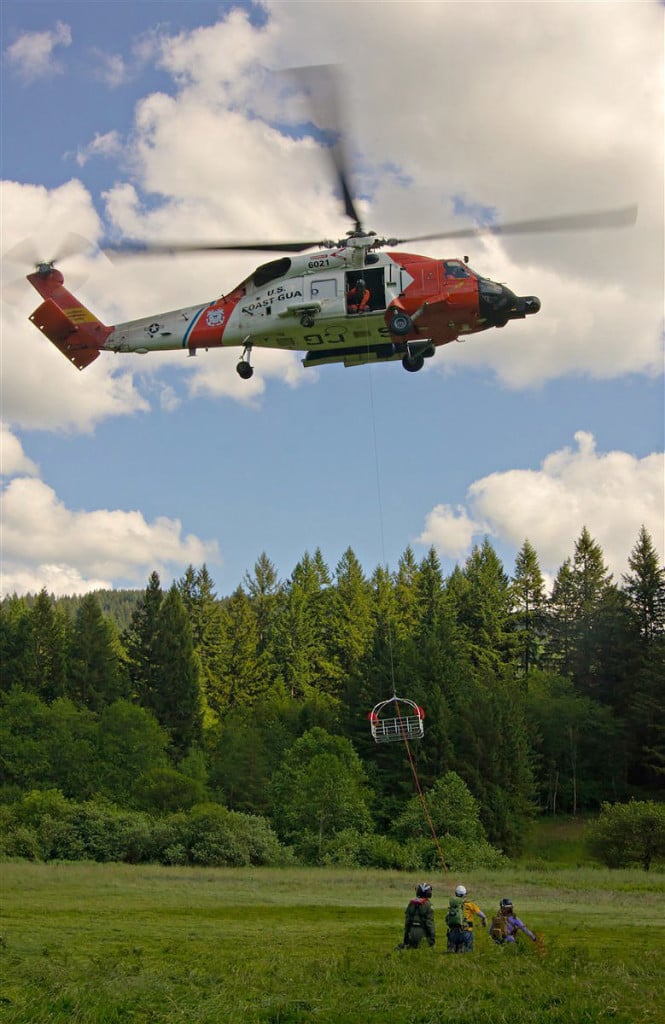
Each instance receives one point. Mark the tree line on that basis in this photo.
(162, 701)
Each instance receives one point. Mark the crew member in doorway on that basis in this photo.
(357, 297)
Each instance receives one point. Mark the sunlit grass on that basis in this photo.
(113, 943)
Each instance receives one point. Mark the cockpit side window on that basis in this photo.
(453, 268)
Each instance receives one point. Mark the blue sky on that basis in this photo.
(161, 123)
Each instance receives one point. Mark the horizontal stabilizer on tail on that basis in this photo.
(65, 334)
(65, 321)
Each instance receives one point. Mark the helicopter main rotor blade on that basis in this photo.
(129, 249)
(321, 82)
(619, 218)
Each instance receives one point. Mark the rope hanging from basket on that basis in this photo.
(403, 728)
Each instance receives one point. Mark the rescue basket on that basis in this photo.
(396, 719)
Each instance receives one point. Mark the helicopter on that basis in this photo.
(353, 301)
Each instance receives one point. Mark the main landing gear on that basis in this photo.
(244, 368)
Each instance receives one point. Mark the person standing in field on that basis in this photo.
(419, 919)
(459, 919)
(506, 926)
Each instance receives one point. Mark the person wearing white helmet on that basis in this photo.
(459, 919)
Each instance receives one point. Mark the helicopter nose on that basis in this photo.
(531, 304)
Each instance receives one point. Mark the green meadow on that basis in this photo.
(108, 943)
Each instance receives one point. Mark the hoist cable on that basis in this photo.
(414, 771)
(381, 530)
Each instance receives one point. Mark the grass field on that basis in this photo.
(114, 943)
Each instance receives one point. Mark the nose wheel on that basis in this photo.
(244, 368)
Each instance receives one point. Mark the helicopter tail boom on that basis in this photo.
(72, 328)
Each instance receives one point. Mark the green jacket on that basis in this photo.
(419, 922)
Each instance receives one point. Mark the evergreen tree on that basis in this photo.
(15, 643)
(590, 580)
(302, 632)
(645, 587)
(48, 649)
(351, 615)
(96, 673)
(493, 756)
(177, 703)
(197, 591)
(406, 595)
(240, 670)
(528, 607)
(263, 589)
(483, 607)
(645, 593)
(561, 620)
(139, 641)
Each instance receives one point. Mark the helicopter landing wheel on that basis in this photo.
(307, 320)
(400, 323)
(413, 363)
(244, 369)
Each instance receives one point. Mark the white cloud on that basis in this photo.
(107, 145)
(32, 56)
(40, 388)
(60, 580)
(450, 530)
(47, 544)
(13, 460)
(613, 494)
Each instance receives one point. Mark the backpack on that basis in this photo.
(415, 914)
(499, 928)
(455, 918)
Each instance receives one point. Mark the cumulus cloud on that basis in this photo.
(450, 530)
(13, 460)
(613, 494)
(47, 544)
(33, 55)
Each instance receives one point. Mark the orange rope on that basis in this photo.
(422, 796)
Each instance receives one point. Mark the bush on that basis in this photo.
(625, 834)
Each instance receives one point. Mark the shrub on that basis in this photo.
(625, 834)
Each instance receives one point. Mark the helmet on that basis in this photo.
(460, 890)
(506, 906)
(424, 891)
(360, 283)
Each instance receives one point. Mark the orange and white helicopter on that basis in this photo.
(346, 302)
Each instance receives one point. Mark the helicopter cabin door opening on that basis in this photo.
(375, 283)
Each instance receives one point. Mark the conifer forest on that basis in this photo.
(184, 727)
